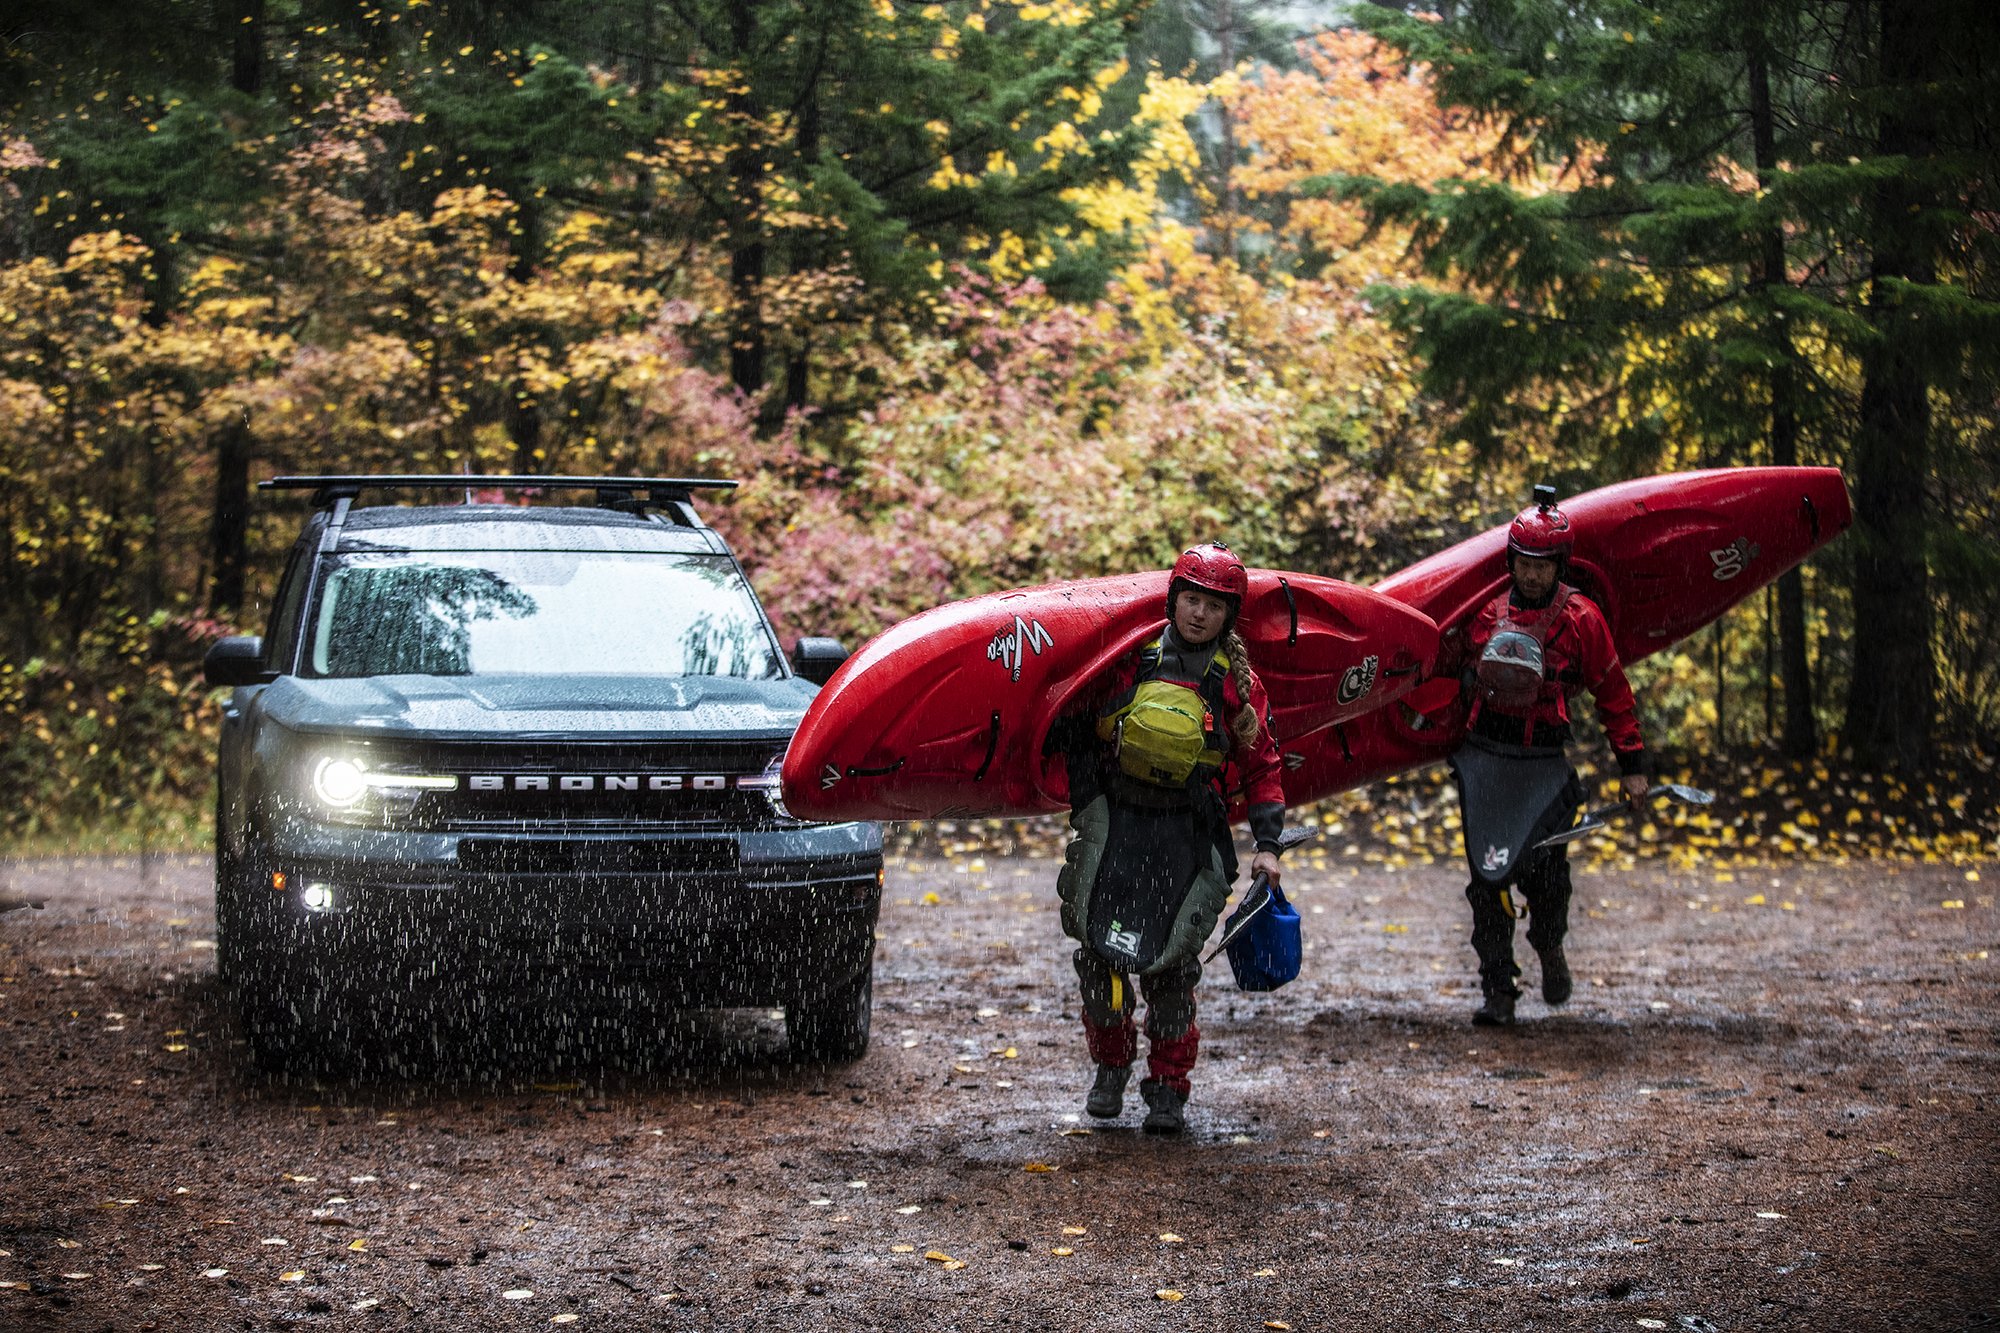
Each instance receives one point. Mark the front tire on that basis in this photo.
(832, 1028)
(229, 926)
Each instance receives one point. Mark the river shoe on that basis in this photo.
(1498, 1011)
(1163, 1115)
(1556, 983)
(1107, 1094)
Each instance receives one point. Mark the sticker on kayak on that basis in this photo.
(1011, 646)
(1731, 559)
(1358, 680)
(1496, 858)
(827, 777)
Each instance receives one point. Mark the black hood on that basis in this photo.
(523, 707)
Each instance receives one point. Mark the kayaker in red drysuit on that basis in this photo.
(1178, 724)
(1528, 652)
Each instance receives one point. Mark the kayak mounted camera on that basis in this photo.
(1545, 496)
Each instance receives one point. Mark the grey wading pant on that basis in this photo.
(1543, 881)
(1169, 995)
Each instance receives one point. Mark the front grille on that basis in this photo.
(585, 786)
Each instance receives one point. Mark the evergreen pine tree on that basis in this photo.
(1718, 163)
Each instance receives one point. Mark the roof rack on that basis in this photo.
(619, 493)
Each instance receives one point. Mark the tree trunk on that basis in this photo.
(798, 364)
(1225, 36)
(746, 225)
(524, 428)
(1800, 738)
(247, 45)
(1891, 697)
(229, 530)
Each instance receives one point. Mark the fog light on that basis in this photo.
(317, 897)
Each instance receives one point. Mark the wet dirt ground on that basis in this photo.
(1770, 1105)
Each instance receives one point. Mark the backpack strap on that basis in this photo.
(1149, 659)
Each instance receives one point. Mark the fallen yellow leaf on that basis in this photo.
(1063, 1251)
(1076, 1231)
(1170, 1238)
(902, 1249)
(1166, 1294)
(296, 1275)
(1276, 1323)
(1039, 1168)
(357, 1244)
(937, 1256)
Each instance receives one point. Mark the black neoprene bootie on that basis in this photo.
(1498, 1011)
(1107, 1094)
(1556, 984)
(1164, 1108)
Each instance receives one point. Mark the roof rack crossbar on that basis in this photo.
(452, 481)
(627, 495)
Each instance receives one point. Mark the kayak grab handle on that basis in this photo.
(882, 772)
(1291, 605)
(992, 745)
(1812, 514)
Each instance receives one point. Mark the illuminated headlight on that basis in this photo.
(341, 783)
(771, 783)
(317, 897)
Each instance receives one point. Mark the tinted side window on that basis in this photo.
(281, 636)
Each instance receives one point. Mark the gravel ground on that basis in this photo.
(1771, 1105)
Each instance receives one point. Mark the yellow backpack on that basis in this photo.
(1168, 728)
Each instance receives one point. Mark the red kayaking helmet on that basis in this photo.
(1541, 529)
(1212, 568)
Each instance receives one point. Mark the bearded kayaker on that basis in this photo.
(1527, 653)
(1147, 871)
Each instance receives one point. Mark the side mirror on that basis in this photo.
(817, 658)
(237, 660)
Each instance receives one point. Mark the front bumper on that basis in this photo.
(758, 917)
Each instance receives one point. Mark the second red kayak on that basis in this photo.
(1663, 556)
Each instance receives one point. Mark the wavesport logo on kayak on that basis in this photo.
(1010, 646)
(1496, 858)
(1731, 559)
(1358, 680)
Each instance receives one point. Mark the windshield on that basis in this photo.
(544, 613)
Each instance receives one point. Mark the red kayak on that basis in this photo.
(1663, 556)
(945, 714)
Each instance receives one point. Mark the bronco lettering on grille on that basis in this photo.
(602, 781)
